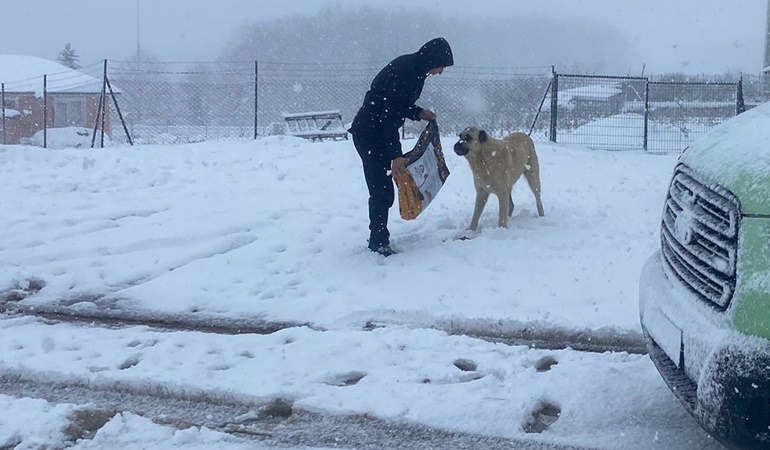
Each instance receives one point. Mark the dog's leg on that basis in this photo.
(502, 220)
(481, 200)
(532, 174)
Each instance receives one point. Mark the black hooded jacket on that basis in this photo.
(393, 93)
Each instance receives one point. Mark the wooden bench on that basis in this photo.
(316, 126)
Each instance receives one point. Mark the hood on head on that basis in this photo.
(435, 53)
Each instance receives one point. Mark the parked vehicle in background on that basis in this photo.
(705, 294)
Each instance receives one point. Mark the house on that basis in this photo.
(606, 97)
(72, 97)
(598, 96)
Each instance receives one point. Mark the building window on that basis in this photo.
(11, 103)
(69, 113)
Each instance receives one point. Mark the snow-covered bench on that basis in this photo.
(316, 126)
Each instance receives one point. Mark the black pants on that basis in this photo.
(380, 184)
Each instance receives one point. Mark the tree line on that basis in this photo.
(368, 34)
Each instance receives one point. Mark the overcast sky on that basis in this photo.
(710, 36)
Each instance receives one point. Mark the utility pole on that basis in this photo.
(138, 35)
(766, 66)
(140, 100)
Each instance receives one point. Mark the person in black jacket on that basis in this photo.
(388, 103)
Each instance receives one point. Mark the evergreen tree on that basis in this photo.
(68, 57)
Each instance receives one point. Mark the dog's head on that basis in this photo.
(471, 139)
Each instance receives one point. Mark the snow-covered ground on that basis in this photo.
(275, 230)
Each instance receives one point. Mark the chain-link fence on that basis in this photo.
(634, 113)
(678, 113)
(180, 102)
(498, 100)
(175, 102)
(161, 102)
(597, 111)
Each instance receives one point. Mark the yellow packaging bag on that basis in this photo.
(426, 174)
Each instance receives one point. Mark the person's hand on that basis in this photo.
(426, 114)
(398, 167)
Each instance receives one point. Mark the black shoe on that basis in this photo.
(385, 250)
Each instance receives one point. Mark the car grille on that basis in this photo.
(699, 237)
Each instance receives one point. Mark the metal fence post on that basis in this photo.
(740, 103)
(540, 107)
(554, 105)
(256, 97)
(103, 112)
(2, 105)
(45, 111)
(117, 108)
(98, 109)
(646, 113)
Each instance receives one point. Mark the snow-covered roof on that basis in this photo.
(25, 74)
(592, 92)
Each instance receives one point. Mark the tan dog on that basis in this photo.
(496, 165)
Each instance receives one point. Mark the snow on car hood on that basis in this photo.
(736, 155)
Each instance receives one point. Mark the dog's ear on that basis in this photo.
(482, 136)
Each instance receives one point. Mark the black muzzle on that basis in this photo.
(461, 149)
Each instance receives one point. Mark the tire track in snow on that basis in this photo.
(540, 336)
(296, 428)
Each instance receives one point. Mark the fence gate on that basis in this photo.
(600, 112)
(629, 113)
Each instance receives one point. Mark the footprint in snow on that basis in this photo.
(346, 379)
(543, 416)
(545, 363)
